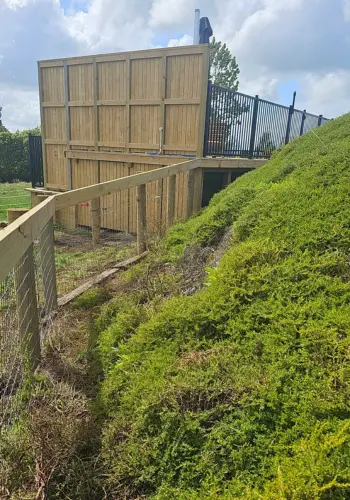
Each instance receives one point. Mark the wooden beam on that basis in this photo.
(126, 157)
(121, 56)
(80, 104)
(42, 122)
(16, 238)
(53, 104)
(110, 103)
(127, 104)
(99, 279)
(162, 105)
(81, 195)
(190, 193)
(198, 189)
(232, 163)
(171, 200)
(66, 101)
(203, 101)
(96, 220)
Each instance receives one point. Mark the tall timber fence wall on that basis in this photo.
(241, 125)
(34, 282)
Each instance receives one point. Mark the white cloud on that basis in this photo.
(177, 42)
(275, 41)
(171, 12)
(20, 108)
(328, 94)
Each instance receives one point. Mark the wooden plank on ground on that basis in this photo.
(99, 279)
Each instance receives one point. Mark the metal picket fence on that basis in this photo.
(241, 125)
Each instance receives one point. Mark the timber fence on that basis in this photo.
(46, 258)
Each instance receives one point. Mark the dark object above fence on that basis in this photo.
(36, 161)
(241, 125)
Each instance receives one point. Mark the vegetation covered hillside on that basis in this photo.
(240, 389)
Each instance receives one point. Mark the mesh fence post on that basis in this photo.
(141, 218)
(27, 306)
(96, 220)
(303, 122)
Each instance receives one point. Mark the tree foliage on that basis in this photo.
(14, 155)
(2, 127)
(266, 143)
(224, 69)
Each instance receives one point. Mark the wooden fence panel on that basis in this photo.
(119, 103)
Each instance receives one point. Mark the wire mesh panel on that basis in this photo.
(19, 336)
(242, 125)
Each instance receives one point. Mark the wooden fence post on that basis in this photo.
(198, 189)
(190, 193)
(27, 307)
(48, 267)
(141, 218)
(96, 219)
(171, 199)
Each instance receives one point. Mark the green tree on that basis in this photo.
(14, 155)
(2, 127)
(266, 144)
(224, 69)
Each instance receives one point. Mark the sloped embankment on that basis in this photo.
(242, 389)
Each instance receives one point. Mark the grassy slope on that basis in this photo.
(13, 196)
(242, 390)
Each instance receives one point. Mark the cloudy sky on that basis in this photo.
(280, 45)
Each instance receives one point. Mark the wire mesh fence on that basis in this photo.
(246, 126)
(54, 252)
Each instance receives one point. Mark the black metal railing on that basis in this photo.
(241, 125)
(36, 160)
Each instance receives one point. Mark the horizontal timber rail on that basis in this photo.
(69, 198)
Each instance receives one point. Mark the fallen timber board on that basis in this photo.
(99, 279)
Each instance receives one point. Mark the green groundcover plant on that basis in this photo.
(242, 389)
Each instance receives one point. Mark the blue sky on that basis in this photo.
(280, 45)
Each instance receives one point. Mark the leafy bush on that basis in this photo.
(242, 390)
(14, 155)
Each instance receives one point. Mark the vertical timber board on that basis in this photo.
(127, 105)
(171, 200)
(203, 101)
(42, 120)
(95, 96)
(141, 219)
(162, 106)
(198, 189)
(66, 100)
